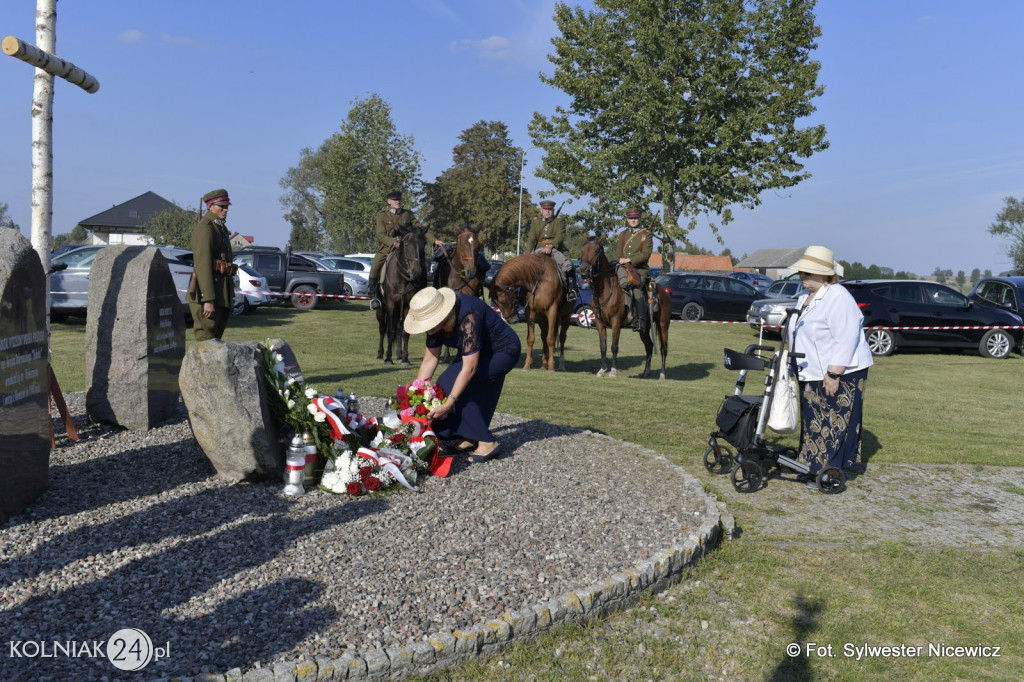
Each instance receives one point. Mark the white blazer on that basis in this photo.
(830, 331)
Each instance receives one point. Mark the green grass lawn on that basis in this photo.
(733, 615)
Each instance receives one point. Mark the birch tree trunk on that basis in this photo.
(42, 139)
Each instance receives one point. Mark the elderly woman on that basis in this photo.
(828, 330)
(487, 349)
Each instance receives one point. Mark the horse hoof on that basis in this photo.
(661, 377)
(388, 362)
(601, 372)
(405, 363)
(613, 374)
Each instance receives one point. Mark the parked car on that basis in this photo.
(754, 279)
(698, 296)
(900, 305)
(69, 279)
(1000, 292)
(356, 278)
(250, 290)
(297, 276)
(770, 311)
(495, 266)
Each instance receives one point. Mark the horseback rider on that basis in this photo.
(635, 246)
(447, 250)
(547, 235)
(390, 222)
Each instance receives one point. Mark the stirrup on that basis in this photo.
(375, 304)
(571, 295)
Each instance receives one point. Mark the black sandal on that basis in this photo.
(460, 448)
(475, 457)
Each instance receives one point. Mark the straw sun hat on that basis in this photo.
(428, 308)
(818, 260)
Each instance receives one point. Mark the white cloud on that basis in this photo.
(131, 36)
(495, 48)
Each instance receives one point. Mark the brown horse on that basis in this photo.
(611, 306)
(464, 276)
(532, 280)
(403, 275)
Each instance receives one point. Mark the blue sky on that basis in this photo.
(922, 106)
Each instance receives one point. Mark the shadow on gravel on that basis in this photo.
(122, 476)
(141, 592)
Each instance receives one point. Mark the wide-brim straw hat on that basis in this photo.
(818, 260)
(428, 308)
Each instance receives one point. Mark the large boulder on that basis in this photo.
(134, 338)
(24, 387)
(225, 395)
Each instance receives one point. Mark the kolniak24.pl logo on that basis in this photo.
(127, 649)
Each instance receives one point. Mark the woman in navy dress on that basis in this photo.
(487, 348)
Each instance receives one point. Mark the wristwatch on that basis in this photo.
(833, 375)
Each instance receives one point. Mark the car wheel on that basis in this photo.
(346, 289)
(585, 316)
(881, 342)
(692, 311)
(996, 343)
(241, 307)
(304, 297)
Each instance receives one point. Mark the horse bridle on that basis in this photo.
(595, 273)
(460, 272)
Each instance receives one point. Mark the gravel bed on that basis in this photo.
(137, 531)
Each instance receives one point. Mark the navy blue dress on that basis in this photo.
(478, 329)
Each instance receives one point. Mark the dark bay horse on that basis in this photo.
(459, 269)
(611, 305)
(403, 275)
(532, 279)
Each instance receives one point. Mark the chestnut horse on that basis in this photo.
(403, 275)
(611, 305)
(532, 279)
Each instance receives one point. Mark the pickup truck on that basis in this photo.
(301, 279)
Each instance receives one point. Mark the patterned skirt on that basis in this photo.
(831, 425)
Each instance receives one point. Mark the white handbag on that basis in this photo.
(784, 413)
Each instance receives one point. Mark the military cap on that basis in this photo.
(217, 196)
(394, 195)
(547, 204)
(634, 213)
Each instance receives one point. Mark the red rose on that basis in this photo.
(372, 483)
(439, 392)
(421, 410)
(403, 397)
(397, 438)
(364, 472)
(355, 489)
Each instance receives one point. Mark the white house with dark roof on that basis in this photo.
(127, 223)
(776, 263)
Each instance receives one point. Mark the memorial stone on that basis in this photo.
(134, 339)
(225, 394)
(24, 392)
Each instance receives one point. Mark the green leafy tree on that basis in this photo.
(173, 227)
(481, 188)
(336, 190)
(940, 275)
(975, 274)
(5, 220)
(690, 104)
(78, 235)
(988, 272)
(961, 279)
(1009, 225)
(305, 234)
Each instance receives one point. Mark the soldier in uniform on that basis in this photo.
(211, 291)
(547, 235)
(389, 222)
(635, 245)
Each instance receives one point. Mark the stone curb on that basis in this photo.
(449, 648)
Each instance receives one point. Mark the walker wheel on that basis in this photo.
(831, 481)
(718, 459)
(747, 477)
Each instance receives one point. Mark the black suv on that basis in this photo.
(900, 306)
(1000, 292)
(697, 296)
